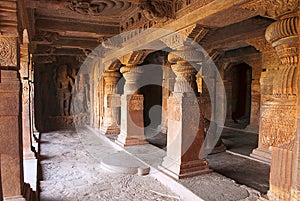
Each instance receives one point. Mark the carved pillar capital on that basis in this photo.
(111, 79)
(284, 36)
(184, 61)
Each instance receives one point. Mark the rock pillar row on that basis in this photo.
(111, 103)
(185, 137)
(132, 103)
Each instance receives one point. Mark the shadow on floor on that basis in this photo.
(242, 170)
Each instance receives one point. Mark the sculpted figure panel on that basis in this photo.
(65, 88)
(279, 123)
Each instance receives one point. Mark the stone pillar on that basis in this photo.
(111, 103)
(185, 155)
(167, 88)
(10, 121)
(26, 121)
(270, 63)
(280, 114)
(1, 193)
(132, 103)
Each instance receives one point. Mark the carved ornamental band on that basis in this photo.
(8, 52)
(272, 8)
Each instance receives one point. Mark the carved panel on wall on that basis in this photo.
(98, 7)
(157, 10)
(81, 102)
(272, 8)
(8, 51)
(278, 121)
(46, 36)
(136, 102)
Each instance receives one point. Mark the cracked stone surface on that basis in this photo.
(71, 170)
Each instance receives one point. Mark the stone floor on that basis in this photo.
(71, 170)
(238, 167)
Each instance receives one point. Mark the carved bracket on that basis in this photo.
(135, 57)
(192, 33)
(260, 44)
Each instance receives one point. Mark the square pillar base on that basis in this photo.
(184, 170)
(123, 140)
(110, 130)
(14, 198)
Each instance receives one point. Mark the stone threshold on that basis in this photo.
(153, 156)
(247, 157)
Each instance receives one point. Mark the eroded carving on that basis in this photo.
(157, 10)
(273, 8)
(8, 51)
(96, 7)
(279, 123)
(136, 103)
(46, 36)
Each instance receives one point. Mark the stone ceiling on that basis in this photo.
(75, 27)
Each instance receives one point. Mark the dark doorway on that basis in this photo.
(241, 92)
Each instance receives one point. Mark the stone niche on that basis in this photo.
(63, 98)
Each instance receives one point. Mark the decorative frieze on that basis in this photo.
(279, 121)
(8, 51)
(97, 7)
(157, 10)
(272, 8)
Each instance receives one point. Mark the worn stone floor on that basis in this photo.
(71, 170)
(238, 168)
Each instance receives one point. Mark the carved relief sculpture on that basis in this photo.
(65, 88)
(8, 51)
